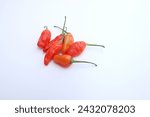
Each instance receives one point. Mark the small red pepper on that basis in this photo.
(67, 41)
(78, 47)
(53, 50)
(52, 42)
(44, 39)
(57, 39)
(66, 60)
(55, 47)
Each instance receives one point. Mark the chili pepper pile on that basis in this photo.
(62, 49)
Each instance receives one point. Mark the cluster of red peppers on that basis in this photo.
(62, 48)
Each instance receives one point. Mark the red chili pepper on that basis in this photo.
(44, 39)
(56, 39)
(53, 50)
(78, 47)
(66, 60)
(67, 41)
(52, 42)
(55, 47)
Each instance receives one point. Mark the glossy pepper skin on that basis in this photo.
(58, 38)
(65, 60)
(52, 42)
(55, 46)
(53, 50)
(44, 38)
(67, 42)
(76, 48)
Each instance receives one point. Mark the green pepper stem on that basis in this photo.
(89, 44)
(63, 33)
(61, 28)
(65, 29)
(46, 27)
(75, 61)
(64, 26)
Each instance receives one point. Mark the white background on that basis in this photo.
(123, 26)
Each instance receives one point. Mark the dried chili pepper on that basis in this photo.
(78, 47)
(66, 60)
(44, 39)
